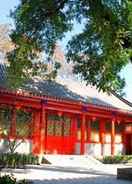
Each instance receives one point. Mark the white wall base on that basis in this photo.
(119, 149)
(24, 147)
(94, 149)
(77, 148)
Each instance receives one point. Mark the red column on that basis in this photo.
(13, 123)
(73, 133)
(102, 134)
(43, 130)
(123, 138)
(88, 130)
(36, 133)
(113, 137)
(82, 147)
(63, 138)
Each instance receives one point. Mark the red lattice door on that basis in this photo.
(59, 137)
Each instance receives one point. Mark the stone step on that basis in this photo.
(74, 160)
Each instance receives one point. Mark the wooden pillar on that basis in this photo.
(13, 123)
(83, 128)
(102, 135)
(43, 130)
(113, 137)
(62, 150)
(36, 133)
(88, 131)
(73, 133)
(123, 138)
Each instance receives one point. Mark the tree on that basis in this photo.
(41, 68)
(99, 52)
(5, 42)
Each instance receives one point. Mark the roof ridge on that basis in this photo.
(121, 98)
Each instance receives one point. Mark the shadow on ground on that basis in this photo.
(43, 175)
(76, 170)
(87, 180)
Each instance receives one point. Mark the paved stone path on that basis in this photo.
(52, 176)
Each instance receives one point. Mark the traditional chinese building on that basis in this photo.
(65, 117)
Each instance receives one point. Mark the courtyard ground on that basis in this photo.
(48, 174)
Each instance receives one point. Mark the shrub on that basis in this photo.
(45, 161)
(11, 180)
(15, 160)
(7, 180)
(116, 159)
(24, 182)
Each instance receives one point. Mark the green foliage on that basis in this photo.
(5, 120)
(99, 52)
(117, 159)
(12, 144)
(45, 161)
(15, 160)
(23, 127)
(7, 179)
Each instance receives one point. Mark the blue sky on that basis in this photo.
(7, 5)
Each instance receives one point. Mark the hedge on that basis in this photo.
(116, 159)
(16, 160)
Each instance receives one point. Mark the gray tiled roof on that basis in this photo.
(70, 90)
(54, 89)
(2, 75)
(51, 88)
